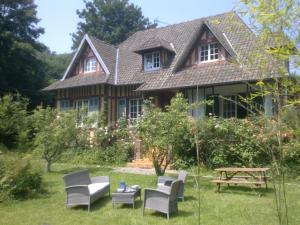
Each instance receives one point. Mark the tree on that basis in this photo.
(112, 21)
(54, 133)
(276, 23)
(20, 68)
(162, 131)
(13, 121)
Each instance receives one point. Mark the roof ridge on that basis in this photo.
(176, 24)
(103, 42)
(188, 21)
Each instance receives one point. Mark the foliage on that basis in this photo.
(163, 132)
(103, 145)
(14, 122)
(55, 132)
(17, 178)
(112, 21)
(276, 23)
(21, 69)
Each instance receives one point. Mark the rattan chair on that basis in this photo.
(164, 201)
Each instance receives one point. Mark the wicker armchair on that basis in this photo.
(83, 190)
(162, 201)
(164, 183)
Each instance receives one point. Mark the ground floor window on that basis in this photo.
(121, 108)
(135, 108)
(230, 106)
(64, 105)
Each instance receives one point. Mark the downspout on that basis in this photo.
(116, 68)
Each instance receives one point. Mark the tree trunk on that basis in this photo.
(157, 168)
(48, 166)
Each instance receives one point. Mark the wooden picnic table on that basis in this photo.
(235, 175)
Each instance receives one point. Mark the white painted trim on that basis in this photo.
(74, 57)
(88, 40)
(152, 54)
(116, 68)
(209, 55)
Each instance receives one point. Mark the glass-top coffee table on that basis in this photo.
(126, 197)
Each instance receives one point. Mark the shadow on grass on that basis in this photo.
(100, 203)
(180, 214)
(137, 205)
(188, 198)
(244, 190)
(91, 169)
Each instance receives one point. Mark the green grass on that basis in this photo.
(233, 206)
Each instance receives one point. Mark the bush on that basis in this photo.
(17, 178)
(14, 132)
(230, 142)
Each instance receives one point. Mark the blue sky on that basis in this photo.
(59, 18)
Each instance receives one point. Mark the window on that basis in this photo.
(90, 65)
(229, 107)
(151, 61)
(93, 105)
(209, 52)
(64, 105)
(196, 96)
(121, 107)
(135, 108)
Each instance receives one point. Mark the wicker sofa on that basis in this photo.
(81, 189)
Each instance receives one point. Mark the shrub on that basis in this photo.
(230, 142)
(14, 130)
(17, 178)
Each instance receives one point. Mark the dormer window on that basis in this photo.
(151, 61)
(209, 52)
(90, 65)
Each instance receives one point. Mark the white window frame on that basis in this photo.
(209, 56)
(90, 64)
(153, 67)
(139, 104)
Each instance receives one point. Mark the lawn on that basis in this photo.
(233, 206)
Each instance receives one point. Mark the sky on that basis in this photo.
(59, 18)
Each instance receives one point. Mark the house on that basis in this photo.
(203, 58)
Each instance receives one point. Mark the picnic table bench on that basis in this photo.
(254, 176)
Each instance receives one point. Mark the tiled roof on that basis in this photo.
(78, 81)
(154, 43)
(232, 33)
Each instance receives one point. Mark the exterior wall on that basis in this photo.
(206, 37)
(108, 97)
(222, 93)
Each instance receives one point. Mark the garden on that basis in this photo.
(39, 147)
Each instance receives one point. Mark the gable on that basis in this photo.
(205, 38)
(79, 64)
(85, 48)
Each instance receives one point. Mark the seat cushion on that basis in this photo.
(93, 188)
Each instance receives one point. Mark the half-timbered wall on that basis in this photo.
(108, 96)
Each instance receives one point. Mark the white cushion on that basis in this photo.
(93, 188)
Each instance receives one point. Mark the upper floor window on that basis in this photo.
(151, 61)
(90, 65)
(209, 52)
